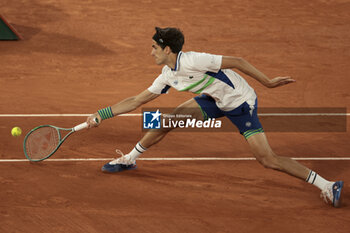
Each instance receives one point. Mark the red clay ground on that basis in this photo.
(80, 56)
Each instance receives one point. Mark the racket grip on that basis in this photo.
(83, 125)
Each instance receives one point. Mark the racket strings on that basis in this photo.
(42, 142)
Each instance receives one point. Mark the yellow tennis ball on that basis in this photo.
(16, 131)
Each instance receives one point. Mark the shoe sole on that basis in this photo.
(337, 197)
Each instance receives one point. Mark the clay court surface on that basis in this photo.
(80, 56)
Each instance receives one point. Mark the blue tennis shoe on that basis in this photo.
(118, 167)
(336, 189)
(332, 192)
(119, 164)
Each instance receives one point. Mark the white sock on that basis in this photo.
(136, 152)
(317, 180)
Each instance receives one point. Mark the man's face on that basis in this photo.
(158, 53)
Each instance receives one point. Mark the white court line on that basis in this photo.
(174, 159)
(140, 114)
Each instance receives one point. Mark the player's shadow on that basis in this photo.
(37, 40)
(26, 32)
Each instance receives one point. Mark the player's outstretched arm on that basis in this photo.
(124, 106)
(247, 68)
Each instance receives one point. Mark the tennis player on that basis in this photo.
(222, 93)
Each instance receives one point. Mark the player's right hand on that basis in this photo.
(94, 120)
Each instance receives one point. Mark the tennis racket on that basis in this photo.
(43, 141)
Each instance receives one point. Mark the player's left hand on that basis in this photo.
(280, 81)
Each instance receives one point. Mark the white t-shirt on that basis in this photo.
(200, 73)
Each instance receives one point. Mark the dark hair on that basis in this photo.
(171, 37)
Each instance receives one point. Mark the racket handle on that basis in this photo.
(83, 126)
